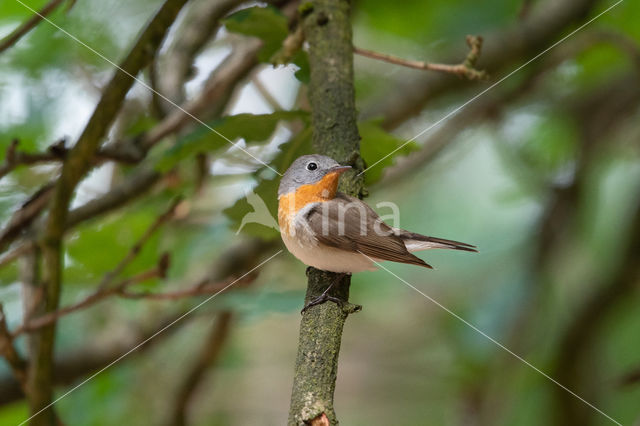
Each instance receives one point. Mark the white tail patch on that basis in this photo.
(417, 245)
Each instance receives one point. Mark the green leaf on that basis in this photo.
(263, 200)
(301, 60)
(13, 10)
(376, 144)
(250, 127)
(266, 23)
(98, 247)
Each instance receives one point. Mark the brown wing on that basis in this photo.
(349, 224)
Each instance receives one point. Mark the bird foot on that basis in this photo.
(322, 299)
(347, 308)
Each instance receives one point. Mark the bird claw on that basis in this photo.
(346, 307)
(322, 299)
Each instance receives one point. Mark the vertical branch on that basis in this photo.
(578, 340)
(327, 28)
(76, 165)
(208, 356)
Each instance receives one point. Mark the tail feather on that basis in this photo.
(417, 242)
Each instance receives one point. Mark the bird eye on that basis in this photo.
(312, 166)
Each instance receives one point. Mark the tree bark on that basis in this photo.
(76, 165)
(327, 29)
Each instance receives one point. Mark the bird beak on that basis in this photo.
(339, 169)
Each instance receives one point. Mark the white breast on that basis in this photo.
(305, 247)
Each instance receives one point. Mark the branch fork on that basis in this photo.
(465, 69)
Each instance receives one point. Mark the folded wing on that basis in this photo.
(348, 224)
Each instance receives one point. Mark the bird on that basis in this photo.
(335, 232)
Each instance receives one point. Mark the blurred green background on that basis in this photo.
(542, 173)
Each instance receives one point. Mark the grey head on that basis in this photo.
(306, 170)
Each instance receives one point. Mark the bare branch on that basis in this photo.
(14, 254)
(213, 95)
(76, 165)
(8, 351)
(265, 93)
(204, 288)
(159, 271)
(57, 152)
(103, 291)
(137, 247)
(30, 24)
(201, 22)
(206, 359)
(500, 50)
(25, 215)
(80, 362)
(464, 69)
(327, 28)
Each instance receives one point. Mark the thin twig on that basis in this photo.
(290, 46)
(25, 215)
(200, 24)
(14, 254)
(76, 363)
(57, 152)
(500, 50)
(28, 25)
(266, 94)
(103, 290)
(464, 69)
(204, 288)
(158, 271)
(212, 96)
(8, 351)
(135, 250)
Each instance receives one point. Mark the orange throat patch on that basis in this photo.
(289, 204)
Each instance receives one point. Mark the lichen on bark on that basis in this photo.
(327, 29)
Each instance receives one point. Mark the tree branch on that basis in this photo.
(207, 358)
(137, 247)
(16, 253)
(327, 28)
(8, 351)
(76, 165)
(582, 330)
(25, 215)
(598, 115)
(28, 25)
(204, 288)
(500, 49)
(200, 23)
(80, 362)
(57, 152)
(104, 290)
(213, 95)
(159, 271)
(464, 69)
(211, 100)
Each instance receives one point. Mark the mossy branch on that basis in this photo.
(327, 30)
